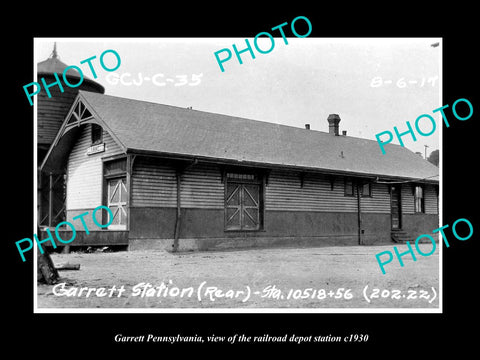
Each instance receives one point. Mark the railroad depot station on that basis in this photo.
(182, 179)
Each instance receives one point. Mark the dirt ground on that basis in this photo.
(301, 278)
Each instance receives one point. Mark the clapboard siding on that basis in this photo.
(430, 198)
(284, 192)
(202, 188)
(84, 179)
(407, 199)
(379, 202)
(153, 184)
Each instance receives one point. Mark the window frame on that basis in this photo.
(345, 193)
(362, 194)
(360, 183)
(96, 128)
(416, 198)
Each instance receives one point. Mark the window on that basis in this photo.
(97, 134)
(419, 199)
(116, 192)
(115, 167)
(366, 190)
(349, 188)
(243, 202)
(238, 176)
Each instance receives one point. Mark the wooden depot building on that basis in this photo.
(182, 179)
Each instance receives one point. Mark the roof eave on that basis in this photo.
(223, 161)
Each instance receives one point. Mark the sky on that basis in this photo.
(373, 84)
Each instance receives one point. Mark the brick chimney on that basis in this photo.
(333, 121)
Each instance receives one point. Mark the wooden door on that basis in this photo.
(395, 204)
(117, 202)
(242, 207)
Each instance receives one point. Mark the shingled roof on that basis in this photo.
(145, 127)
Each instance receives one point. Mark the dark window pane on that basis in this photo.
(115, 167)
(97, 134)
(366, 189)
(348, 187)
(241, 176)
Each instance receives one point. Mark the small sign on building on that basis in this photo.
(96, 149)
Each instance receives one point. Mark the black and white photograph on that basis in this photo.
(218, 179)
(249, 186)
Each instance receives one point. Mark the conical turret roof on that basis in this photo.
(54, 65)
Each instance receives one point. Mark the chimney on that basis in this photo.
(307, 126)
(333, 121)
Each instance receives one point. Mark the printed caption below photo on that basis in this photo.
(242, 338)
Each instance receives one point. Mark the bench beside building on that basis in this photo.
(182, 179)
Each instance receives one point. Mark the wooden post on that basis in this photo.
(180, 170)
(179, 211)
(46, 271)
(130, 161)
(50, 201)
(359, 208)
(39, 195)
